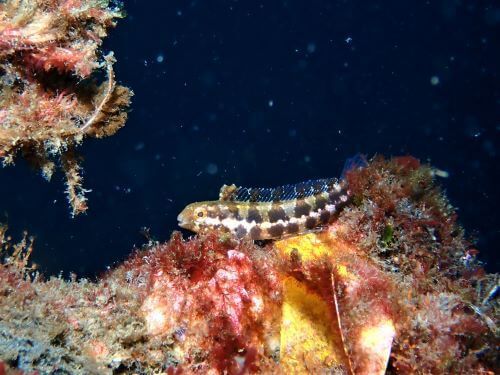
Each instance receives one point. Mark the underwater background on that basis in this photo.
(270, 93)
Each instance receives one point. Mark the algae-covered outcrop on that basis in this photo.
(50, 96)
(349, 299)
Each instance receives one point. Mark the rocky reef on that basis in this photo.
(392, 286)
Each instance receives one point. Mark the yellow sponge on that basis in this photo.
(310, 335)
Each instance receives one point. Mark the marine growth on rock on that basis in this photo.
(50, 97)
(354, 298)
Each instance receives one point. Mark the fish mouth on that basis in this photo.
(183, 223)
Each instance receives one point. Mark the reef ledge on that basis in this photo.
(393, 286)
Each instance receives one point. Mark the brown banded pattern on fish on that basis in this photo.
(269, 213)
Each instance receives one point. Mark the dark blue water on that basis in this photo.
(269, 93)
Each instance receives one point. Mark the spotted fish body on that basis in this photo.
(269, 213)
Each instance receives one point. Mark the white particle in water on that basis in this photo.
(212, 168)
(159, 58)
(434, 80)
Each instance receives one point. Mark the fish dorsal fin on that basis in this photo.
(281, 193)
(227, 191)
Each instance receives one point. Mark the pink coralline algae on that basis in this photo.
(211, 294)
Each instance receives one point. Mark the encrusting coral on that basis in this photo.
(391, 287)
(49, 100)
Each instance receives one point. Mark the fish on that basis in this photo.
(269, 213)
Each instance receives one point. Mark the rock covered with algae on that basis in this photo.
(50, 98)
(392, 286)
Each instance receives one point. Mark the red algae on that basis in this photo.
(391, 287)
(49, 52)
(440, 326)
(208, 304)
(216, 297)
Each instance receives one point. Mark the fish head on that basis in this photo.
(198, 216)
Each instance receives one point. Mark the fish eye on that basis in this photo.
(200, 212)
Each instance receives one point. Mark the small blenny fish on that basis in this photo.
(269, 213)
